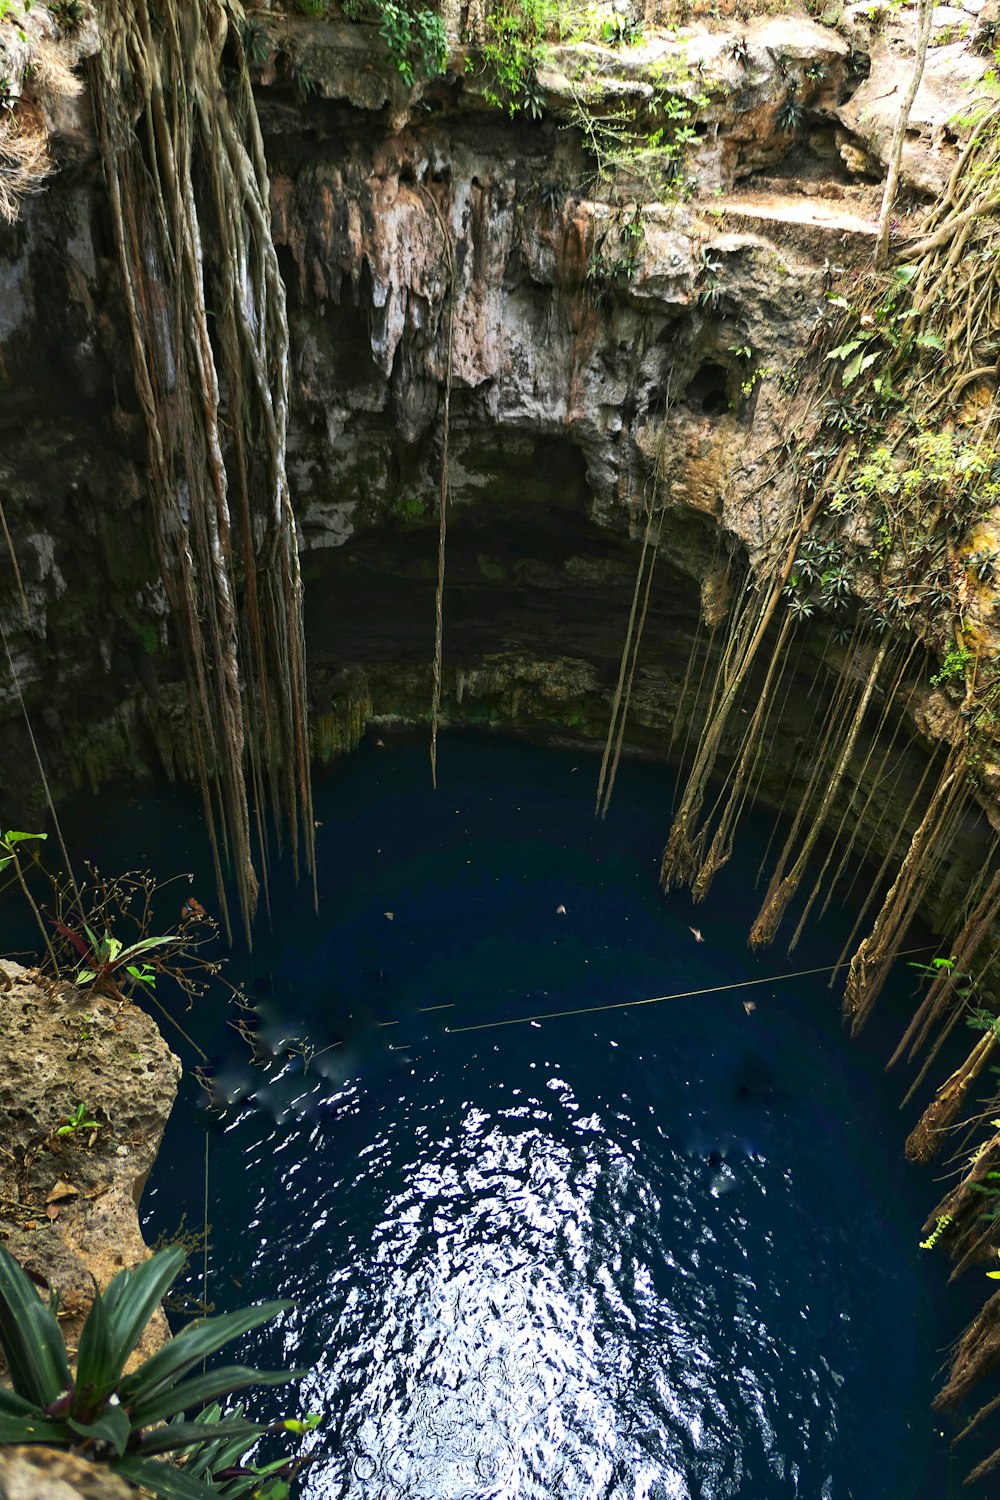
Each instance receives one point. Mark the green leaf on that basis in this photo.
(5, 862)
(188, 1394)
(929, 341)
(178, 1435)
(859, 363)
(843, 351)
(308, 1423)
(144, 945)
(32, 1430)
(97, 1367)
(190, 1347)
(214, 1454)
(133, 1296)
(162, 1479)
(15, 1406)
(112, 1426)
(10, 837)
(31, 1338)
(993, 1275)
(86, 976)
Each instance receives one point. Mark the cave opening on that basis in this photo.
(708, 389)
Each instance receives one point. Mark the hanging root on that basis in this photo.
(977, 1355)
(623, 717)
(777, 899)
(721, 846)
(925, 1139)
(655, 506)
(871, 963)
(963, 951)
(616, 706)
(187, 183)
(683, 854)
(452, 277)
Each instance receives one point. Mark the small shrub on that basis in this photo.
(954, 666)
(414, 35)
(137, 1423)
(790, 115)
(67, 14)
(514, 51)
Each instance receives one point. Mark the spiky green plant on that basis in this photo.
(141, 1422)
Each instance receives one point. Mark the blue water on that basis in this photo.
(662, 1250)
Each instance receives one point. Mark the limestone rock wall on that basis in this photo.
(591, 342)
(68, 1203)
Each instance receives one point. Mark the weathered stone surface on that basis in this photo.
(950, 89)
(68, 1204)
(37, 1473)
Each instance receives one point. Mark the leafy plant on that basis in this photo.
(739, 51)
(256, 43)
(137, 1423)
(532, 97)
(513, 52)
(10, 858)
(984, 564)
(78, 1120)
(943, 1220)
(620, 31)
(67, 13)
(790, 114)
(9, 11)
(710, 288)
(414, 35)
(304, 83)
(103, 957)
(552, 196)
(954, 666)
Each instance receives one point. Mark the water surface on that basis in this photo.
(651, 1251)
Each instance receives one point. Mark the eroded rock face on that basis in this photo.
(68, 1209)
(589, 345)
(37, 1473)
(952, 89)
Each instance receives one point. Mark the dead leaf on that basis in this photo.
(62, 1190)
(93, 1138)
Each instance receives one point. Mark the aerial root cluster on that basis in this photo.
(186, 176)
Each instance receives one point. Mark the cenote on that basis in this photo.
(618, 376)
(636, 1250)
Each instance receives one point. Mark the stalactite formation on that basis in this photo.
(205, 305)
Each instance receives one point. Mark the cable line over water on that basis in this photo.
(711, 989)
